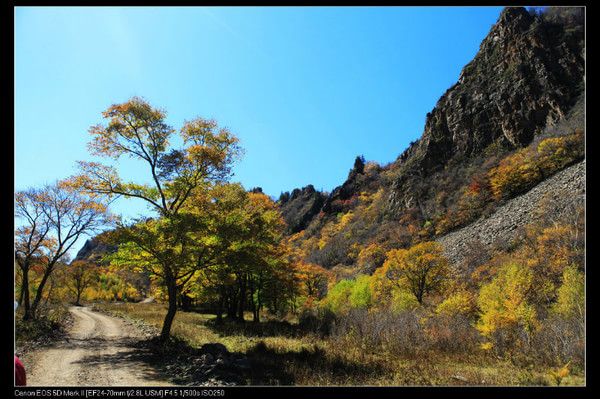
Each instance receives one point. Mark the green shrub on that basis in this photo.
(360, 295)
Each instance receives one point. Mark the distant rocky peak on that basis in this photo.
(513, 20)
(94, 250)
(300, 207)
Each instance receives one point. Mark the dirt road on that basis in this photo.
(98, 352)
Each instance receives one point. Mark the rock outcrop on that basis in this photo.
(94, 249)
(528, 73)
(360, 178)
(299, 207)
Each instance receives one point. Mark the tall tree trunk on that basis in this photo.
(78, 298)
(49, 291)
(274, 305)
(251, 297)
(420, 297)
(220, 306)
(20, 300)
(40, 290)
(253, 308)
(172, 294)
(242, 299)
(258, 307)
(25, 294)
(231, 304)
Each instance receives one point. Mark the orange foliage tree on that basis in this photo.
(314, 279)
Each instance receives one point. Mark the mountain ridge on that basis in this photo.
(526, 79)
(451, 132)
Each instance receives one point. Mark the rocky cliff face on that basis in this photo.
(528, 73)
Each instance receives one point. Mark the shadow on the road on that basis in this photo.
(139, 360)
(94, 343)
(213, 364)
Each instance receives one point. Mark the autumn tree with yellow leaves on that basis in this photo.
(506, 311)
(250, 266)
(137, 130)
(422, 269)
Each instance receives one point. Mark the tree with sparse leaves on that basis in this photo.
(52, 220)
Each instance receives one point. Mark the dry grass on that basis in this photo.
(284, 355)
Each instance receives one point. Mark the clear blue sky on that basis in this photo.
(306, 89)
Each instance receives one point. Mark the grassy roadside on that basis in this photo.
(284, 355)
(50, 326)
